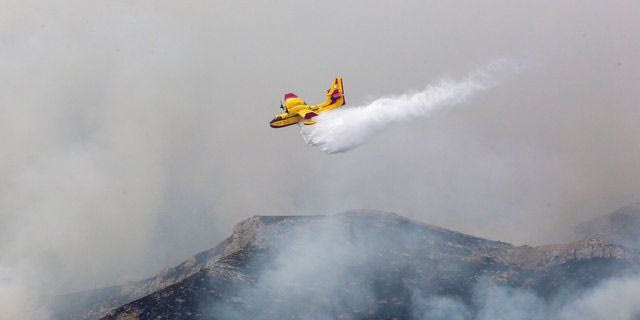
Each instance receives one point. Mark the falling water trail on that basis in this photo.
(349, 127)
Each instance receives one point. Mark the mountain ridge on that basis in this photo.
(620, 226)
(456, 258)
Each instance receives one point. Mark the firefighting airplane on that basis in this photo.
(296, 110)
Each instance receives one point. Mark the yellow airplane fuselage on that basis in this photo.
(297, 110)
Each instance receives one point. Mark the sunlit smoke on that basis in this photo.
(344, 129)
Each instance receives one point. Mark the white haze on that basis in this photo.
(349, 127)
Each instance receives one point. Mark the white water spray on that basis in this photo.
(346, 128)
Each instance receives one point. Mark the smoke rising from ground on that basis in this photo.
(349, 127)
(325, 268)
(308, 277)
(615, 298)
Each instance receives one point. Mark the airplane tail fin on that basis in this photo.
(336, 92)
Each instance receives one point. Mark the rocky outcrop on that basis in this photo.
(555, 254)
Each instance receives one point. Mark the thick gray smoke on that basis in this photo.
(308, 276)
(349, 127)
(616, 298)
(318, 270)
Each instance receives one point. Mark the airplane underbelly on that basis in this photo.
(284, 122)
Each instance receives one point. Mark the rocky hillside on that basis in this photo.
(356, 265)
(621, 227)
(89, 305)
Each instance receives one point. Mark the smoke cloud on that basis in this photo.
(329, 269)
(309, 275)
(347, 128)
(616, 298)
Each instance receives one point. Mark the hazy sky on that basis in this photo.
(135, 133)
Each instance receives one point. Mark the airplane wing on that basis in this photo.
(289, 95)
(307, 113)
